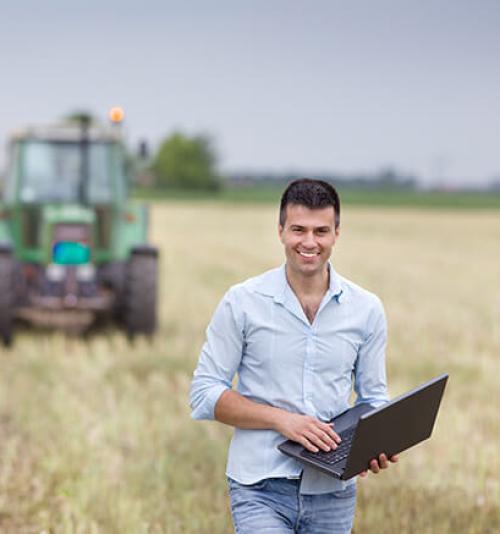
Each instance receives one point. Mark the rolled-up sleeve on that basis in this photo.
(219, 359)
(370, 382)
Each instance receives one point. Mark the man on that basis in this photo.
(300, 338)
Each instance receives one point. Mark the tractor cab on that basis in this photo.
(62, 177)
(55, 166)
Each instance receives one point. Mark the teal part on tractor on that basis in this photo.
(69, 253)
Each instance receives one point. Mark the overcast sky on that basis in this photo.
(319, 85)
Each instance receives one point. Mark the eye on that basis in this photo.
(323, 231)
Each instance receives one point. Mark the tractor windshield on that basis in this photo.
(52, 172)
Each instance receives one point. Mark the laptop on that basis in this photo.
(367, 431)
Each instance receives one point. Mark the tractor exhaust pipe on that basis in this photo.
(84, 158)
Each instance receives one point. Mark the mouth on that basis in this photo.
(308, 254)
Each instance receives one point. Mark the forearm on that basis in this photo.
(370, 375)
(235, 410)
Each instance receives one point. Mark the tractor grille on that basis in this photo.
(78, 233)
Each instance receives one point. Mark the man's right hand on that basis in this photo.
(310, 432)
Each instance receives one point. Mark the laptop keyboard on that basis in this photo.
(333, 456)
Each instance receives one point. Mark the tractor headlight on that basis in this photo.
(55, 272)
(85, 273)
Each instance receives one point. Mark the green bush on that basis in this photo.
(184, 162)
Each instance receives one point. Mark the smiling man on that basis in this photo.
(300, 338)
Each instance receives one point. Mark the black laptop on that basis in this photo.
(367, 431)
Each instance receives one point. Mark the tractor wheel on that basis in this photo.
(140, 295)
(7, 298)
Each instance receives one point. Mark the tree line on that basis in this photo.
(184, 162)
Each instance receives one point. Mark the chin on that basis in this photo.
(304, 268)
(310, 270)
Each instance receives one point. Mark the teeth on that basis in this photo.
(308, 254)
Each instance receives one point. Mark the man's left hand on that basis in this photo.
(381, 463)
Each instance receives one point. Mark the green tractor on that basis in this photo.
(73, 249)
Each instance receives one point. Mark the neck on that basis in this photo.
(314, 285)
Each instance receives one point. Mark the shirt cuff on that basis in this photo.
(206, 409)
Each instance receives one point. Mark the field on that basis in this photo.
(95, 435)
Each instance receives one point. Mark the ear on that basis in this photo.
(280, 232)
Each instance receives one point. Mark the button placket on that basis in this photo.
(309, 373)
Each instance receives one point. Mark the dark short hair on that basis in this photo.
(313, 194)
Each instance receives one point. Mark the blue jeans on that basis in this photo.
(275, 505)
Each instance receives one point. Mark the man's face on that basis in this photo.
(308, 236)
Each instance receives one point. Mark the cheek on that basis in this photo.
(327, 245)
(289, 242)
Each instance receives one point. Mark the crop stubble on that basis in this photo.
(96, 435)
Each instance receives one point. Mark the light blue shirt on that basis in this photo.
(260, 331)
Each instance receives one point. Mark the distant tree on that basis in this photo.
(184, 162)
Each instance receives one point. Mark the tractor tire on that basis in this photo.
(140, 295)
(7, 298)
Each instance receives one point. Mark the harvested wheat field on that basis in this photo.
(96, 436)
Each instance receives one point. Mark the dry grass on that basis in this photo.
(95, 436)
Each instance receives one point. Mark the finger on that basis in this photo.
(363, 474)
(316, 440)
(319, 430)
(325, 436)
(307, 444)
(394, 458)
(374, 467)
(327, 428)
(382, 461)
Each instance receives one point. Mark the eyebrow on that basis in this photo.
(316, 228)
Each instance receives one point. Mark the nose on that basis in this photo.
(309, 240)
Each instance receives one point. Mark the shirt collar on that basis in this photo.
(276, 285)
